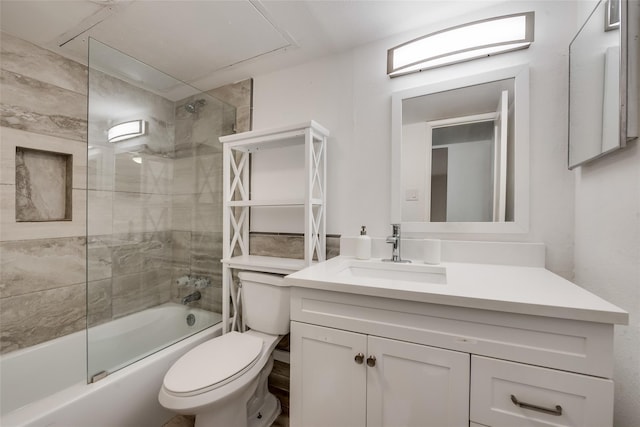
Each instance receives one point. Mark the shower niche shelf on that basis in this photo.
(239, 200)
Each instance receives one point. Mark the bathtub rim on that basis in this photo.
(47, 406)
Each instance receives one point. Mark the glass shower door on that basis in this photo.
(153, 209)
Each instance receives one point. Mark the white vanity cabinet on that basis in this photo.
(443, 365)
(342, 378)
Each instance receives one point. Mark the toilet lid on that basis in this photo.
(213, 363)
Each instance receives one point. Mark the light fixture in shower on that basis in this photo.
(477, 39)
(126, 130)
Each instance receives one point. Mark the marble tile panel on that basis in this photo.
(12, 230)
(243, 119)
(41, 316)
(22, 57)
(229, 121)
(12, 138)
(99, 259)
(181, 248)
(99, 302)
(43, 185)
(37, 265)
(39, 107)
(277, 245)
(205, 132)
(183, 212)
(100, 168)
(157, 250)
(134, 292)
(208, 174)
(208, 215)
(210, 268)
(127, 256)
(333, 246)
(157, 174)
(139, 252)
(287, 245)
(153, 175)
(184, 176)
(100, 213)
(183, 128)
(141, 212)
(240, 96)
(209, 242)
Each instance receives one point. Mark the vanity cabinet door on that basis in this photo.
(416, 385)
(328, 377)
(509, 394)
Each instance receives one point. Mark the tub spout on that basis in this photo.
(195, 296)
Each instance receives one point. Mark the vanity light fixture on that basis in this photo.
(465, 42)
(126, 130)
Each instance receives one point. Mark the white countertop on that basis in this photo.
(506, 288)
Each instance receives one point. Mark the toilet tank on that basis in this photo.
(266, 302)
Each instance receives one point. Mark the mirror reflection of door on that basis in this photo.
(468, 175)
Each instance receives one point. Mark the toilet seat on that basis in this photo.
(213, 364)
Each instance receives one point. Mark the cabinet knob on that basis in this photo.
(359, 358)
(371, 361)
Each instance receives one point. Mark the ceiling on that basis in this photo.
(214, 42)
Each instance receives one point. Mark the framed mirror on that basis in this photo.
(460, 154)
(602, 117)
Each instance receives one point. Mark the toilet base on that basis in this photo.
(267, 414)
(260, 410)
(263, 408)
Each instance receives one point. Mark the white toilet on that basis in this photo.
(223, 382)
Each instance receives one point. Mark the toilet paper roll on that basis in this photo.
(432, 251)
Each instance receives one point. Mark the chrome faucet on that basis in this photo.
(395, 240)
(195, 296)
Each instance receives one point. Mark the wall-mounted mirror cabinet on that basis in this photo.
(460, 153)
(603, 82)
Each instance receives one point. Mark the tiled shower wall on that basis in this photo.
(42, 274)
(147, 226)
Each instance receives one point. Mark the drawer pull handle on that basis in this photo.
(359, 358)
(557, 411)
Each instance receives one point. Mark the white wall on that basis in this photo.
(607, 255)
(350, 94)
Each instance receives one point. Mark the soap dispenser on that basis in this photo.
(363, 244)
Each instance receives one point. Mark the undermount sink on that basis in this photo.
(390, 272)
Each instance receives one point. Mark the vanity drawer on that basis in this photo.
(512, 394)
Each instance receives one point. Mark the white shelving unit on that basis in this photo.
(238, 201)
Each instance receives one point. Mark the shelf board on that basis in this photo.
(275, 203)
(265, 263)
(273, 138)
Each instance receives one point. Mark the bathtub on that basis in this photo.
(46, 385)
